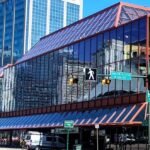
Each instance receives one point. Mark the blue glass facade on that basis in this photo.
(11, 31)
(23, 23)
(72, 13)
(56, 15)
(41, 76)
(19, 30)
(36, 94)
(38, 20)
(1, 31)
(43, 81)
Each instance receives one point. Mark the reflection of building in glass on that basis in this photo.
(111, 52)
(40, 77)
(24, 22)
(35, 93)
(8, 90)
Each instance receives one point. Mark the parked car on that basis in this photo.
(130, 138)
(142, 139)
(37, 141)
(126, 138)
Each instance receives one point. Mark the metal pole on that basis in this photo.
(67, 139)
(97, 139)
(148, 126)
(147, 84)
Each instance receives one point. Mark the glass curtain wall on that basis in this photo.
(1, 29)
(11, 32)
(72, 13)
(8, 87)
(56, 15)
(43, 81)
(18, 30)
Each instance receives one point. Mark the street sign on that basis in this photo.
(147, 96)
(90, 74)
(74, 130)
(68, 124)
(120, 75)
(96, 126)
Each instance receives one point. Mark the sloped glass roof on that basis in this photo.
(113, 16)
(131, 13)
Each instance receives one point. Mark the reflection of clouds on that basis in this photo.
(126, 36)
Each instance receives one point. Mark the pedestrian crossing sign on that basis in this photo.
(90, 74)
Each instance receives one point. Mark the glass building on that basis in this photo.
(24, 22)
(41, 75)
(36, 91)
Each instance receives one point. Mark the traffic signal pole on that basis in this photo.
(148, 70)
(148, 126)
(67, 139)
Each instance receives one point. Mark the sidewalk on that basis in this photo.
(5, 148)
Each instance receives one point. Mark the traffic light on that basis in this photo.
(72, 80)
(105, 81)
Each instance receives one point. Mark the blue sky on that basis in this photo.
(92, 6)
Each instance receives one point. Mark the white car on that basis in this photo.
(37, 140)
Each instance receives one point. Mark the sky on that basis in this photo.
(92, 6)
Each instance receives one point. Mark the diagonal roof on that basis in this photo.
(110, 17)
(129, 12)
(123, 115)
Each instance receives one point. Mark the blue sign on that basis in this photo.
(147, 96)
(120, 75)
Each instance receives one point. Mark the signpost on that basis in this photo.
(68, 124)
(74, 130)
(97, 127)
(147, 122)
(120, 75)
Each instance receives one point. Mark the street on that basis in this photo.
(128, 147)
(4, 148)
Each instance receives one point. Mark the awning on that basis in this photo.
(121, 115)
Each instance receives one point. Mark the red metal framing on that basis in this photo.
(140, 109)
(147, 49)
(118, 15)
(135, 6)
(93, 104)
